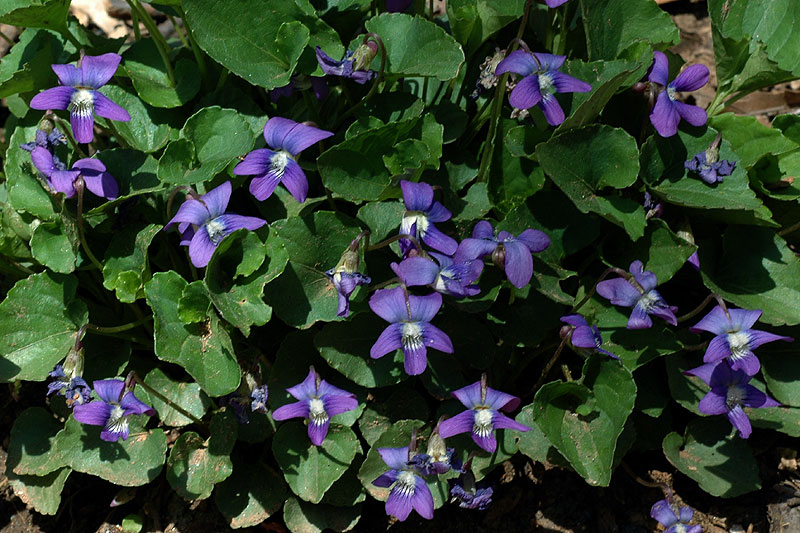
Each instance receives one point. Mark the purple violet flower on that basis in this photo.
(652, 207)
(354, 65)
(438, 458)
(729, 393)
(540, 83)
(410, 327)
(319, 401)
(95, 177)
(734, 338)
(668, 112)
(483, 414)
(421, 212)
(409, 490)
(46, 140)
(286, 138)
(467, 493)
(443, 275)
(512, 254)
(694, 260)
(584, 338)
(710, 169)
(74, 388)
(209, 223)
(78, 93)
(555, 3)
(112, 413)
(678, 522)
(346, 277)
(640, 294)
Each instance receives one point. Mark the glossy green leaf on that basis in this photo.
(125, 265)
(194, 303)
(26, 67)
(25, 191)
(204, 349)
(149, 128)
(134, 171)
(148, 73)
(302, 517)
(474, 21)
(30, 450)
(43, 493)
(382, 218)
(39, 320)
(35, 13)
(513, 179)
(55, 245)
(534, 443)
(187, 396)
(250, 495)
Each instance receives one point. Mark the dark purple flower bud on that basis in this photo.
(513, 253)
(540, 83)
(638, 292)
(116, 405)
(301, 82)
(584, 339)
(735, 340)
(78, 93)
(421, 212)
(668, 112)
(409, 490)
(352, 66)
(319, 401)
(410, 327)
(210, 222)
(483, 414)
(675, 522)
(287, 139)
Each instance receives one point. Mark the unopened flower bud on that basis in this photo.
(73, 364)
(364, 54)
(499, 256)
(639, 87)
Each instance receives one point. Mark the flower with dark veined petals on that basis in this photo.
(286, 138)
(78, 93)
(209, 222)
(443, 275)
(711, 171)
(540, 83)
(346, 277)
(483, 415)
(112, 413)
(668, 112)
(409, 490)
(678, 522)
(410, 327)
(639, 293)
(319, 401)
(512, 254)
(421, 212)
(584, 338)
(95, 177)
(652, 207)
(729, 393)
(74, 389)
(355, 65)
(734, 339)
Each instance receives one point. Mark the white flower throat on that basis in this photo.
(279, 162)
(483, 422)
(739, 343)
(411, 335)
(117, 421)
(649, 300)
(406, 482)
(316, 411)
(81, 103)
(414, 217)
(216, 230)
(735, 396)
(546, 85)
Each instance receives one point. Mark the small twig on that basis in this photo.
(696, 310)
(550, 364)
(116, 329)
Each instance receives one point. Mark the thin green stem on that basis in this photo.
(374, 88)
(564, 26)
(155, 34)
(550, 363)
(137, 33)
(198, 54)
(169, 402)
(80, 188)
(64, 31)
(716, 104)
(697, 309)
(790, 229)
(117, 329)
(178, 31)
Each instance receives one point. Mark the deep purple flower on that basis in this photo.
(286, 138)
(467, 493)
(734, 338)
(555, 3)
(46, 140)
(258, 399)
(729, 393)
(95, 177)
(209, 223)
(408, 487)
(78, 93)
(584, 338)
(694, 260)
(443, 275)
(678, 522)
(483, 415)
(410, 327)
(73, 388)
(112, 413)
(421, 212)
(319, 401)
(301, 82)
(640, 294)
(354, 65)
(512, 254)
(540, 83)
(710, 171)
(668, 111)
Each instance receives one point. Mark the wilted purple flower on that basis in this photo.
(512, 254)
(319, 401)
(483, 415)
(464, 490)
(640, 294)
(210, 223)
(286, 138)
(729, 393)
(95, 177)
(443, 275)
(540, 83)
(410, 327)
(584, 338)
(734, 338)
(74, 388)
(710, 169)
(355, 65)
(408, 487)
(44, 139)
(112, 413)
(78, 93)
(668, 111)
(346, 277)
(678, 522)
(421, 212)
(301, 82)
(258, 399)
(487, 78)
(652, 207)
